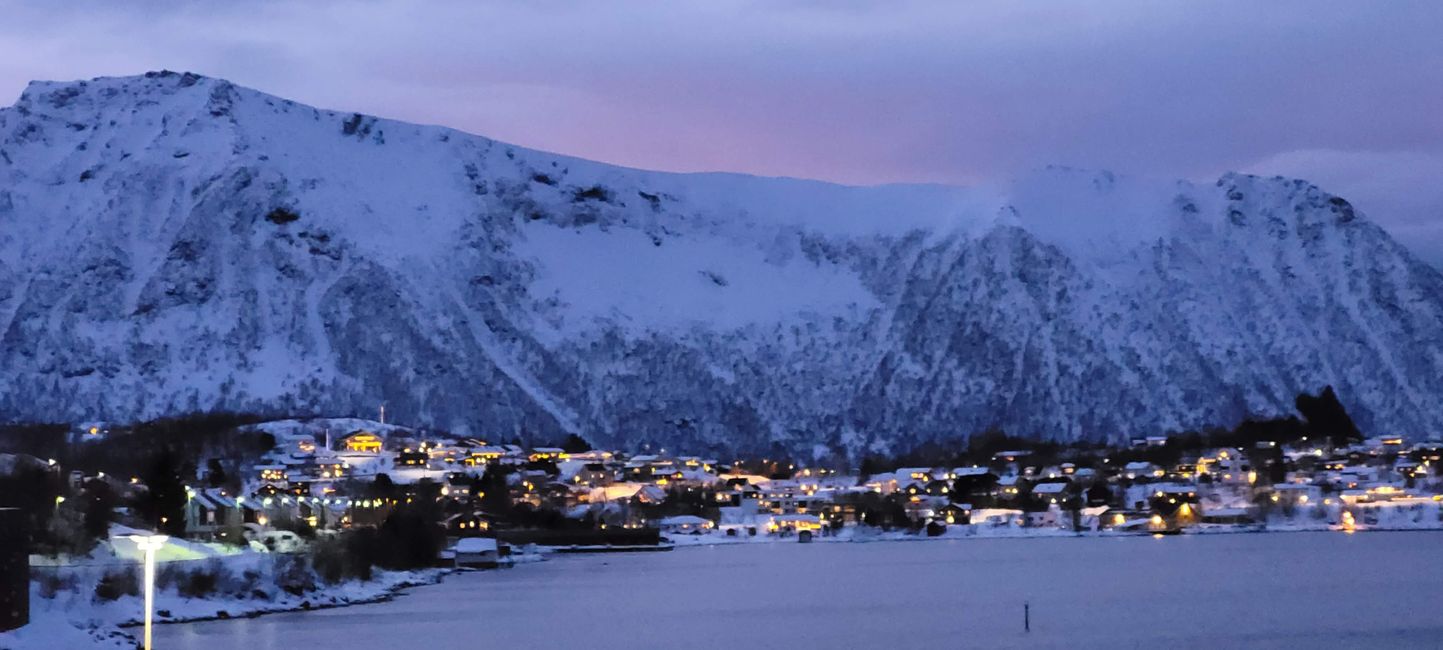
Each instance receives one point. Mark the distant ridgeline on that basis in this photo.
(172, 243)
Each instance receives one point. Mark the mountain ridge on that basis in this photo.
(481, 287)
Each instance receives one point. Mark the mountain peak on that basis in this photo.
(171, 242)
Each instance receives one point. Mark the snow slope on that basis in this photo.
(492, 290)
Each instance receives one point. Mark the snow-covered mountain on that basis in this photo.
(173, 242)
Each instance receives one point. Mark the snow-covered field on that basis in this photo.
(73, 616)
(1304, 590)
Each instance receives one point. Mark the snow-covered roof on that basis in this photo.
(1049, 488)
(476, 545)
(684, 520)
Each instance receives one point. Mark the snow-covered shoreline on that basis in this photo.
(965, 532)
(75, 618)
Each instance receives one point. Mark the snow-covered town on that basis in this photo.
(316, 484)
(314, 476)
(490, 504)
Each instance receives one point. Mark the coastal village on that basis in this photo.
(323, 475)
(332, 512)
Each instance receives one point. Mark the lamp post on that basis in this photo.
(150, 544)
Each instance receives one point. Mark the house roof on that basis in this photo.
(684, 520)
(476, 545)
(1049, 488)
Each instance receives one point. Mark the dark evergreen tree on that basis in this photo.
(1326, 417)
(99, 506)
(215, 474)
(162, 503)
(575, 444)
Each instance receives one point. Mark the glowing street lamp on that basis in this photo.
(150, 544)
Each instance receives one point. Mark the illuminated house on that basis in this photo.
(786, 524)
(685, 525)
(1174, 506)
(273, 474)
(208, 512)
(593, 475)
(484, 456)
(1054, 492)
(362, 441)
(468, 524)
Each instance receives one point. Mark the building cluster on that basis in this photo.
(328, 482)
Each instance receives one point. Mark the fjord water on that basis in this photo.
(1302, 590)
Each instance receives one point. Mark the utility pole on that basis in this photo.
(383, 413)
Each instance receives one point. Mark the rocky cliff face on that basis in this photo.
(172, 242)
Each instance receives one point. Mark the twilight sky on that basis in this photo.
(1347, 94)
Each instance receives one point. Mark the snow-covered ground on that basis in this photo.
(145, 270)
(66, 611)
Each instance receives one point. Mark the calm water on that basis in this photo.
(1306, 590)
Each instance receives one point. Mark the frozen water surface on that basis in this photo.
(1303, 590)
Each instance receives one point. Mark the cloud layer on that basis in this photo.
(1346, 94)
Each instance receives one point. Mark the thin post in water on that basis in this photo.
(1026, 616)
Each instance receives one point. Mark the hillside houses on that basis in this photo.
(326, 478)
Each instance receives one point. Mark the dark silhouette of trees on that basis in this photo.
(1326, 417)
(98, 505)
(575, 444)
(162, 503)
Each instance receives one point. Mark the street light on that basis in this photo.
(150, 544)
